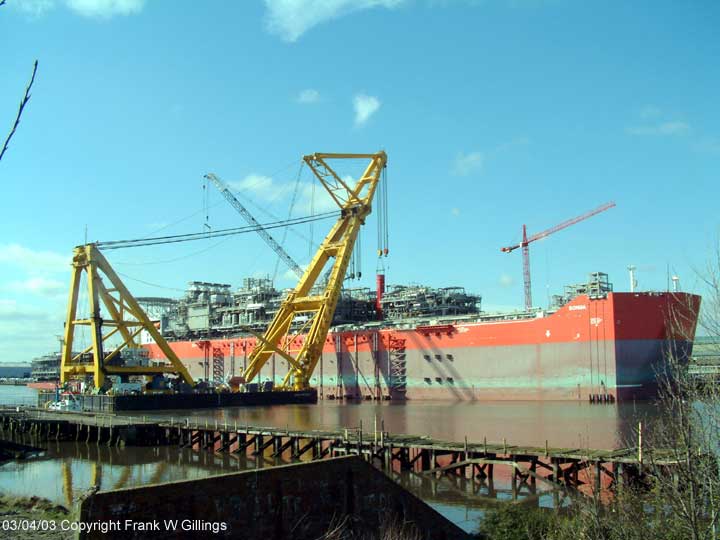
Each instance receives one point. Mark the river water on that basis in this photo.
(69, 468)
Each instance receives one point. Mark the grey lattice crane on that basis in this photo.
(269, 240)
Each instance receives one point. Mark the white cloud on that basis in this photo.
(468, 163)
(365, 106)
(649, 111)
(317, 203)
(290, 19)
(662, 129)
(506, 280)
(264, 188)
(35, 8)
(40, 286)
(307, 96)
(27, 331)
(34, 262)
(100, 9)
(261, 187)
(105, 8)
(708, 145)
(10, 311)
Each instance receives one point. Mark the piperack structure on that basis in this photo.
(127, 319)
(526, 241)
(355, 205)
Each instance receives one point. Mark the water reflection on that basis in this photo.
(561, 424)
(68, 469)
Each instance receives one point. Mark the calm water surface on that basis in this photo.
(576, 425)
(67, 469)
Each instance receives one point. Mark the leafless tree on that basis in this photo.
(24, 102)
(688, 494)
(681, 446)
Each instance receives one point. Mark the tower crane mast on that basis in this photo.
(269, 240)
(315, 310)
(524, 244)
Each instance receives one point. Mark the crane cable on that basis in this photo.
(290, 211)
(139, 242)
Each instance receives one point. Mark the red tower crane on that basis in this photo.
(526, 250)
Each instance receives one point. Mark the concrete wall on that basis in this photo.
(297, 501)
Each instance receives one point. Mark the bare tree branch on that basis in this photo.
(24, 101)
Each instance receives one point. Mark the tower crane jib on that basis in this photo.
(524, 243)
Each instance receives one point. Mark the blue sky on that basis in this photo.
(493, 114)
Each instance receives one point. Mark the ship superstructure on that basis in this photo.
(213, 310)
(436, 343)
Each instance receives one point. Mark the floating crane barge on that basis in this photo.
(113, 311)
(319, 340)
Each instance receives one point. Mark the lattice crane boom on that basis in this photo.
(264, 234)
(317, 310)
(526, 241)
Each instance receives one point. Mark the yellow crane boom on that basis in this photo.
(355, 203)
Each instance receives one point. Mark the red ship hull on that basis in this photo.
(607, 348)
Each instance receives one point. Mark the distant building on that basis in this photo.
(706, 350)
(46, 368)
(14, 371)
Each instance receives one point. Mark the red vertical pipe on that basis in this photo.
(380, 284)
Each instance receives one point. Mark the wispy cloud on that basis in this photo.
(662, 129)
(105, 8)
(365, 106)
(10, 310)
(98, 9)
(308, 96)
(649, 111)
(466, 164)
(264, 188)
(27, 331)
(41, 286)
(708, 145)
(35, 8)
(506, 281)
(32, 261)
(259, 185)
(655, 122)
(290, 19)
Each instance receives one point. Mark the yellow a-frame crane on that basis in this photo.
(355, 205)
(125, 317)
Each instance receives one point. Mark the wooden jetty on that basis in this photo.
(558, 469)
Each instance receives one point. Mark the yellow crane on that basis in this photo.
(124, 317)
(355, 203)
